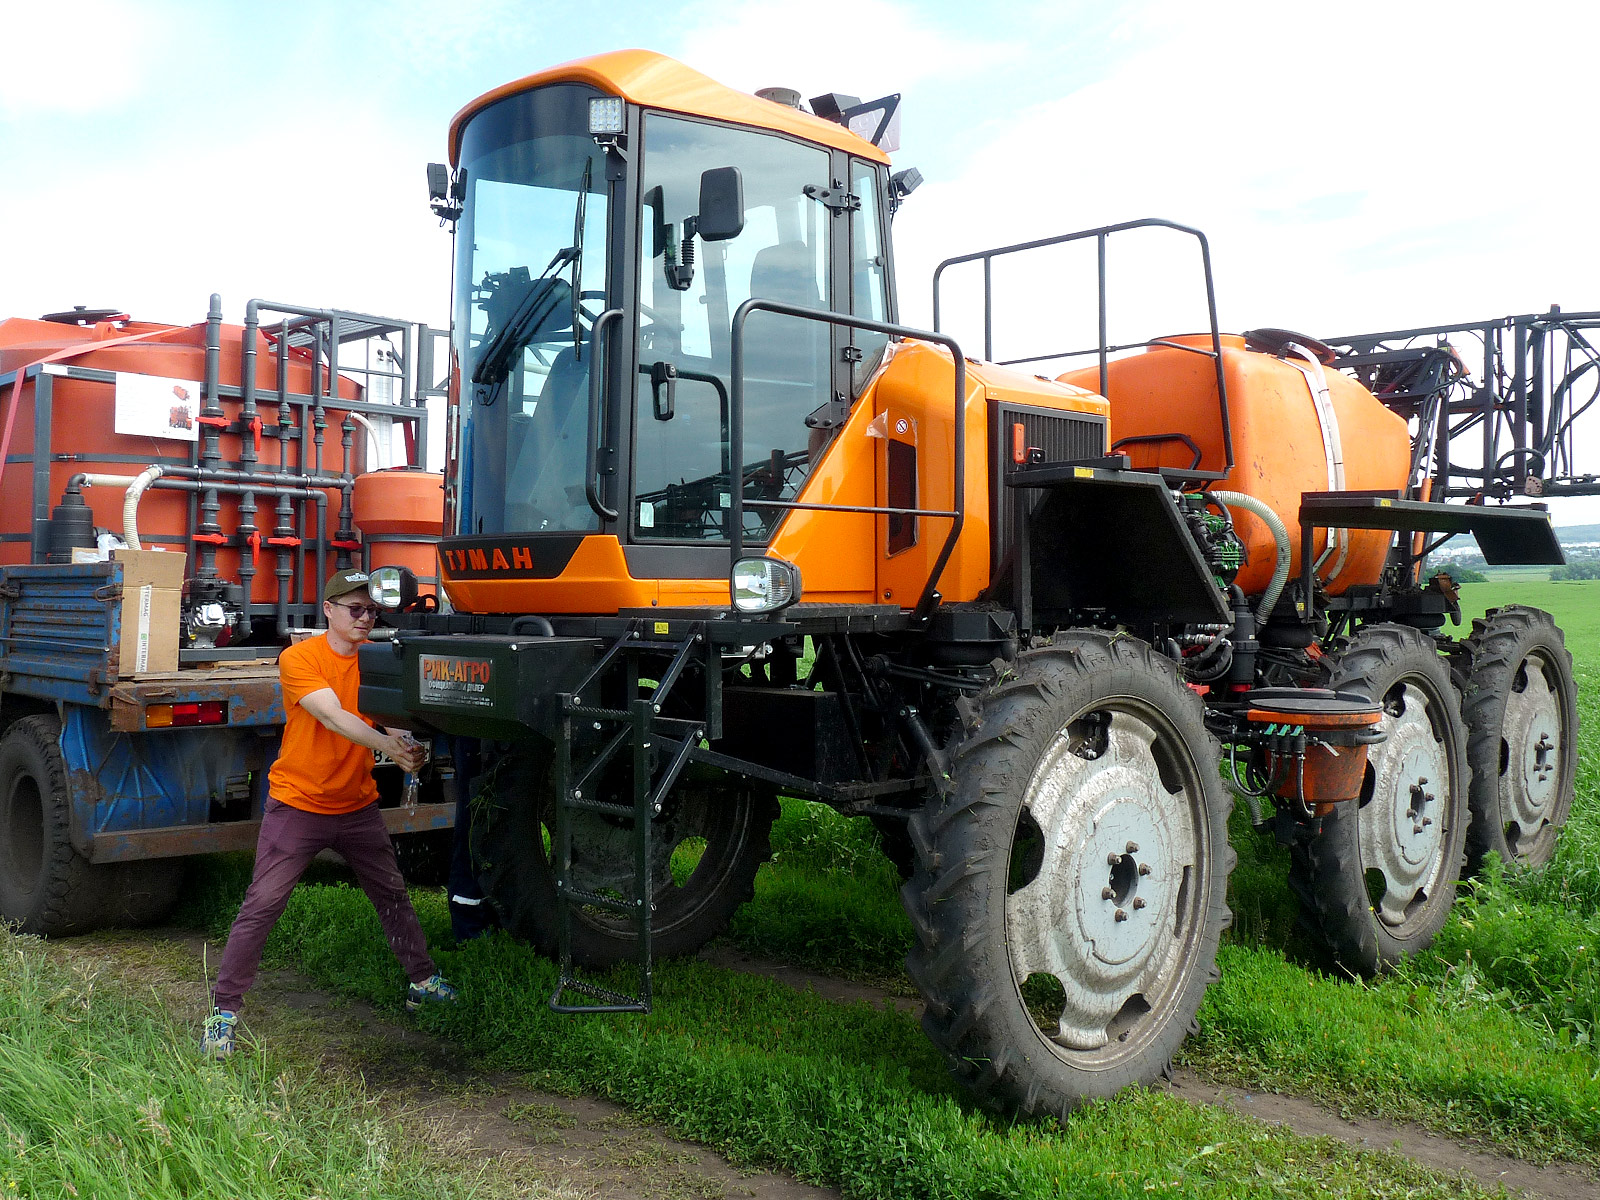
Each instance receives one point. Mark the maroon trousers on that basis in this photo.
(290, 839)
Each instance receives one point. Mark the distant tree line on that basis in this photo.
(1578, 570)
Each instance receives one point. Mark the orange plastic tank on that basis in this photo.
(400, 513)
(1279, 447)
(83, 436)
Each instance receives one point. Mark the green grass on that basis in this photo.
(846, 1095)
(828, 900)
(102, 1096)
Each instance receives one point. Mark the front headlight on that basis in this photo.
(392, 588)
(763, 585)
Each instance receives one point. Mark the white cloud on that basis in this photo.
(72, 58)
(868, 48)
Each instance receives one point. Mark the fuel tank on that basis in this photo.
(83, 431)
(1296, 426)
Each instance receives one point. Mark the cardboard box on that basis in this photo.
(152, 610)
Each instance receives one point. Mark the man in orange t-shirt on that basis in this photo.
(321, 795)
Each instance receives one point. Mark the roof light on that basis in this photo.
(605, 114)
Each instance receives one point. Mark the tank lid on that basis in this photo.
(81, 315)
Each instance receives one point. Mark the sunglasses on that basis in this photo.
(357, 611)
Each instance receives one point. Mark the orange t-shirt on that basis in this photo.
(316, 769)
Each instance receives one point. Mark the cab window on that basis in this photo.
(689, 289)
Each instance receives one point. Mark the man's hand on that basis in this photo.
(405, 750)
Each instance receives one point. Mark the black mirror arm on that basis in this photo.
(680, 274)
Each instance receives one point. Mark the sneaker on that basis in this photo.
(432, 990)
(217, 1041)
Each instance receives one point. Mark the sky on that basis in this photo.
(1356, 167)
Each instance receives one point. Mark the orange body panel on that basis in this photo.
(1277, 443)
(834, 551)
(918, 386)
(82, 426)
(595, 581)
(655, 81)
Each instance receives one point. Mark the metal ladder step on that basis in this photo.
(656, 763)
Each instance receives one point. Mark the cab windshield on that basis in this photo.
(531, 251)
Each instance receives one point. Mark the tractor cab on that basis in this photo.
(611, 218)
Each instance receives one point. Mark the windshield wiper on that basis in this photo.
(577, 258)
(494, 364)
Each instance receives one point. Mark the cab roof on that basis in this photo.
(655, 81)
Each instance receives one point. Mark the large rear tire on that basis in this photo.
(1378, 881)
(513, 828)
(1522, 736)
(1070, 888)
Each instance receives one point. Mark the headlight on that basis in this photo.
(393, 588)
(762, 585)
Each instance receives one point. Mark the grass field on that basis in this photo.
(1491, 1035)
(102, 1095)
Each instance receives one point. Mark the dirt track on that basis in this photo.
(558, 1147)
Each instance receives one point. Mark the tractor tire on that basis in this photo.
(1377, 882)
(1071, 884)
(1522, 736)
(513, 830)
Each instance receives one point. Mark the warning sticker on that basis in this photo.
(451, 679)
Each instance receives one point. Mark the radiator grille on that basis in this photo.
(1063, 437)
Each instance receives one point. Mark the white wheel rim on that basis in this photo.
(1404, 828)
(1110, 912)
(1530, 786)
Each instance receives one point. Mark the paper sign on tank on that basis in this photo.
(154, 406)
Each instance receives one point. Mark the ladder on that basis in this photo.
(640, 731)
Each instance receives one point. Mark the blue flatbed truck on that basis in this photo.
(111, 782)
(111, 777)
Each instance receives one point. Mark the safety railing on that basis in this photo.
(1104, 349)
(737, 500)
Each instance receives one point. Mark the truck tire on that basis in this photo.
(1522, 736)
(1071, 884)
(1379, 879)
(513, 828)
(46, 887)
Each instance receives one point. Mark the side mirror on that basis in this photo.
(721, 204)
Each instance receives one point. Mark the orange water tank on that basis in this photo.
(83, 437)
(1281, 448)
(400, 513)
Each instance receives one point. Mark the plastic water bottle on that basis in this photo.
(409, 794)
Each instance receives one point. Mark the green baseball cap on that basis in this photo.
(342, 583)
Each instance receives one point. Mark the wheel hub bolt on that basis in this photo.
(1122, 914)
(1144, 868)
(1138, 901)
(1133, 847)
(1107, 893)
(1113, 858)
